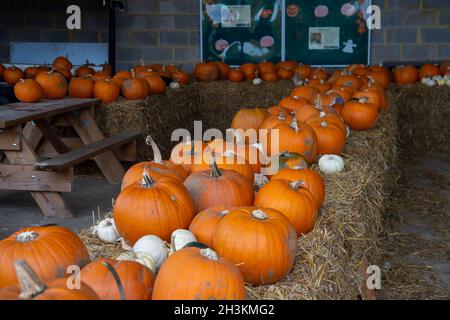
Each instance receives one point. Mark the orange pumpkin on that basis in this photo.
(156, 84)
(152, 207)
(429, 70)
(305, 92)
(303, 71)
(260, 241)
(320, 85)
(204, 275)
(266, 67)
(219, 187)
(405, 75)
(272, 121)
(311, 181)
(291, 199)
(372, 96)
(360, 115)
(188, 153)
(224, 69)
(48, 250)
(205, 223)
(206, 71)
(100, 75)
(123, 74)
(269, 76)
(293, 104)
(30, 72)
(136, 280)
(381, 78)
(54, 85)
(12, 75)
(250, 70)
(84, 70)
(106, 90)
(290, 65)
(305, 112)
(28, 90)
(181, 77)
(236, 76)
(330, 116)
(246, 119)
(285, 74)
(349, 81)
(135, 88)
(81, 87)
(62, 63)
(276, 110)
(319, 73)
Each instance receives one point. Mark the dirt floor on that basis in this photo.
(417, 224)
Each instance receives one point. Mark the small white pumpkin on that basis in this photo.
(174, 85)
(180, 238)
(331, 163)
(437, 77)
(424, 80)
(141, 257)
(154, 246)
(257, 81)
(106, 230)
(430, 82)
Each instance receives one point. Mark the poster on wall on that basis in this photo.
(329, 33)
(240, 31)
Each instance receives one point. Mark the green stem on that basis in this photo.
(116, 279)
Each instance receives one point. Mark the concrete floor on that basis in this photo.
(18, 209)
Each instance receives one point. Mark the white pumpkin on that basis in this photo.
(106, 230)
(257, 81)
(141, 257)
(331, 163)
(174, 85)
(180, 238)
(430, 82)
(424, 80)
(154, 246)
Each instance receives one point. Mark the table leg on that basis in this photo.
(84, 124)
(52, 204)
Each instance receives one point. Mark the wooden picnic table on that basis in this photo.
(36, 158)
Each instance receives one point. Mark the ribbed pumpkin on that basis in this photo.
(305, 92)
(136, 279)
(198, 274)
(135, 88)
(405, 74)
(106, 90)
(215, 187)
(12, 75)
(273, 121)
(206, 71)
(330, 137)
(330, 116)
(236, 76)
(293, 104)
(429, 70)
(293, 200)
(349, 81)
(372, 96)
(158, 168)
(28, 90)
(152, 207)
(260, 241)
(156, 85)
(81, 87)
(54, 85)
(250, 70)
(381, 78)
(294, 137)
(360, 115)
(310, 178)
(48, 251)
(205, 222)
(246, 119)
(32, 288)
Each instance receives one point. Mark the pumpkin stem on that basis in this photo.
(363, 100)
(116, 279)
(324, 124)
(294, 125)
(322, 114)
(318, 102)
(295, 185)
(282, 115)
(147, 181)
(209, 254)
(223, 213)
(133, 74)
(215, 172)
(157, 157)
(30, 285)
(259, 214)
(27, 236)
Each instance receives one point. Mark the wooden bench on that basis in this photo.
(34, 157)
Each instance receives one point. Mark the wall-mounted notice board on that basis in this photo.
(327, 32)
(240, 31)
(316, 32)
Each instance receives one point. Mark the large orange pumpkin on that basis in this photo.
(81, 87)
(205, 222)
(32, 288)
(330, 137)
(266, 67)
(12, 75)
(360, 115)
(305, 112)
(429, 70)
(293, 104)
(54, 85)
(198, 274)
(405, 74)
(305, 92)
(152, 207)
(250, 70)
(273, 121)
(260, 241)
(135, 279)
(28, 90)
(246, 119)
(219, 187)
(310, 178)
(48, 251)
(106, 90)
(62, 64)
(293, 200)
(156, 85)
(206, 71)
(236, 76)
(224, 69)
(135, 88)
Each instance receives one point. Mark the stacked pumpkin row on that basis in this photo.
(428, 74)
(42, 82)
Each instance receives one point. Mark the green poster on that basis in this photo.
(327, 32)
(240, 31)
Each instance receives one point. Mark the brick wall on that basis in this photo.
(167, 31)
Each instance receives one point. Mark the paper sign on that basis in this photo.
(236, 16)
(323, 38)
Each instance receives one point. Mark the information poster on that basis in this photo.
(242, 31)
(330, 33)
